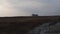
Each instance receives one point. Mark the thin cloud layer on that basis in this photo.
(27, 7)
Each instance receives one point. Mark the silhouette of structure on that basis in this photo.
(34, 14)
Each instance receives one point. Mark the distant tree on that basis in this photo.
(34, 14)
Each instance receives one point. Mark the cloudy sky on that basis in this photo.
(27, 7)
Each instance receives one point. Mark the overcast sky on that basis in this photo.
(27, 7)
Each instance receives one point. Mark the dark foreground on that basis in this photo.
(21, 25)
(46, 28)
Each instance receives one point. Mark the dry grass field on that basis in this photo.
(21, 25)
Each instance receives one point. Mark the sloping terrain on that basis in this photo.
(21, 25)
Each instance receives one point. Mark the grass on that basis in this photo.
(21, 25)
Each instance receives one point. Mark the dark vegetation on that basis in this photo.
(21, 25)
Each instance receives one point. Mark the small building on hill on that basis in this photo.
(34, 14)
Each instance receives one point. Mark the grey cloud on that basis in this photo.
(44, 7)
(27, 7)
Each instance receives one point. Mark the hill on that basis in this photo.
(23, 24)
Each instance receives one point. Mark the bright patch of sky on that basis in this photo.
(27, 7)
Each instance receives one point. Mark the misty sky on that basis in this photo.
(27, 7)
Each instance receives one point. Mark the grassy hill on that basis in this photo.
(21, 25)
